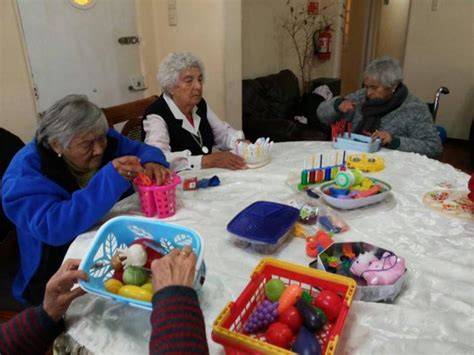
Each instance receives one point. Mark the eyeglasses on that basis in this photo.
(87, 146)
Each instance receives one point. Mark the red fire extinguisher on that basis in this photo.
(322, 43)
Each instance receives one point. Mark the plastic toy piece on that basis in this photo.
(385, 271)
(333, 261)
(318, 243)
(327, 224)
(346, 179)
(299, 230)
(213, 181)
(365, 162)
(190, 184)
(289, 297)
(357, 142)
(364, 185)
(143, 180)
(347, 251)
(194, 184)
(372, 191)
(257, 154)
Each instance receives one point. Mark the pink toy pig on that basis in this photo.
(384, 271)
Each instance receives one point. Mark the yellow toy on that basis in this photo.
(365, 162)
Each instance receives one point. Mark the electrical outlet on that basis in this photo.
(137, 82)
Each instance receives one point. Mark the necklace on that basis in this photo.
(198, 140)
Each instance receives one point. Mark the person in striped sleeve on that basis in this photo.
(177, 321)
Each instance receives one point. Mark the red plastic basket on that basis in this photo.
(159, 200)
(228, 326)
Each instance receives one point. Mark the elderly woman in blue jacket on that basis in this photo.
(64, 181)
(386, 110)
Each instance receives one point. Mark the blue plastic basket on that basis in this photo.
(263, 223)
(120, 232)
(357, 142)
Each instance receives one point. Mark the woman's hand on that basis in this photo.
(58, 294)
(347, 106)
(226, 160)
(175, 269)
(384, 136)
(128, 166)
(157, 172)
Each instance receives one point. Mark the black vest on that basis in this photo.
(180, 139)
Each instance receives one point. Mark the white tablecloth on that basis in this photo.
(433, 313)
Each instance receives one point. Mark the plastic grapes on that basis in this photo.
(263, 315)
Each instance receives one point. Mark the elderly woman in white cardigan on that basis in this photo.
(182, 124)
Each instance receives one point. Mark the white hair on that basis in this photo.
(386, 71)
(172, 65)
(72, 115)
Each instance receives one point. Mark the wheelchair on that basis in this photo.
(433, 106)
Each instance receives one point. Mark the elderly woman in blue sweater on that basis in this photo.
(64, 181)
(385, 109)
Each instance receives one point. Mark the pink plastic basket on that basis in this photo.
(159, 200)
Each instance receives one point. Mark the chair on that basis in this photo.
(10, 144)
(434, 111)
(132, 114)
(269, 105)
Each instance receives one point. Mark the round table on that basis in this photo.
(434, 313)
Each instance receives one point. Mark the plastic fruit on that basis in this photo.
(118, 275)
(289, 297)
(152, 248)
(263, 315)
(134, 275)
(329, 302)
(135, 292)
(292, 318)
(279, 334)
(113, 285)
(306, 343)
(311, 319)
(273, 289)
(147, 286)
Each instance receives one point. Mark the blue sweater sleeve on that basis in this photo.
(53, 215)
(145, 152)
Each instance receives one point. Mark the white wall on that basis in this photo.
(208, 29)
(392, 30)
(267, 49)
(17, 105)
(440, 52)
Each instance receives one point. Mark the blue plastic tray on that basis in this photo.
(263, 222)
(357, 142)
(120, 232)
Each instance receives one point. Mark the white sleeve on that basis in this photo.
(224, 135)
(156, 134)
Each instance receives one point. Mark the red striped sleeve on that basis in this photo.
(177, 322)
(30, 332)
